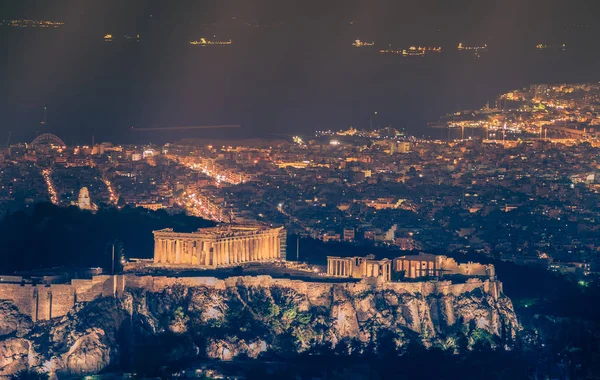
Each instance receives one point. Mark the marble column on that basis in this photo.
(268, 251)
(243, 250)
(234, 251)
(156, 251)
(266, 248)
(226, 253)
(199, 253)
(162, 250)
(202, 252)
(242, 247)
(184, 254)
(249, 248)
(220, 253)
(166, 250)
(259, 250)
(215, 256)
(169, 250)
(188, 251)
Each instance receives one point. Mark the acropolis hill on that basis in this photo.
(242, 315)
(84, 326)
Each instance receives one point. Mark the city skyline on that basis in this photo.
(282, 189)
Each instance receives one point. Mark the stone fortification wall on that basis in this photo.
(43, 302)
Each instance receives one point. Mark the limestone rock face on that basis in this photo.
(13, 356)
(81, 342)
(227, 350)
(250, 317)
(12, 322)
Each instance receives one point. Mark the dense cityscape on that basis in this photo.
(299, 190)
(525, 190)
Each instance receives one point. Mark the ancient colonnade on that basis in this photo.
(359, 267)
(217, 246)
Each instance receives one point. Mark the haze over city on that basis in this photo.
(290, 69)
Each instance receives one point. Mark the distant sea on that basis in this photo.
(272, 90)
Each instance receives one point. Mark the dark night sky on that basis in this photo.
(294, 73)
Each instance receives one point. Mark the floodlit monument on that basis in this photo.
(219, 246)
(359, 267)
(83, 201)
(413, 267)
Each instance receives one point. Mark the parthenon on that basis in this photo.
(219, 246)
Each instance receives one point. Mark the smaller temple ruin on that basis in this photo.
(412, 267)
(359, 267)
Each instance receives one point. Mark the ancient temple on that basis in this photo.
(219, 246)
(421, 265)
(409, 267)
(359, 267)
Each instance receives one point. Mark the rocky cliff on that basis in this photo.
(147, 327)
